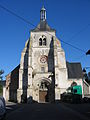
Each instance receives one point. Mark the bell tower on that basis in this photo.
(43, 14)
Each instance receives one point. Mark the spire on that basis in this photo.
(43, 14)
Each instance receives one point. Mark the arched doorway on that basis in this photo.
(44, 89)
(44, 92)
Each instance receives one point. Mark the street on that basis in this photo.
(44, 111)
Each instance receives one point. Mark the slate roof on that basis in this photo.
(74, 70)
(43, 26)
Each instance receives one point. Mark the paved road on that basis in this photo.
(44, 112)
(83, 108)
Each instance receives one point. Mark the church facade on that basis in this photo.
(43, 73)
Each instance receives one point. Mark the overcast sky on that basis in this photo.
(70, 18)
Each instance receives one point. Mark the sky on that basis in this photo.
(70, 19)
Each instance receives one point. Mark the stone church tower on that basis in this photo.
(43, 71)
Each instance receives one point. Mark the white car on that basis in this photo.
(2, 108)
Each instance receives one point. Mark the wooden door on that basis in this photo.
(42, 96)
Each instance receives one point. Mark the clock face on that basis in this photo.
(43, 59)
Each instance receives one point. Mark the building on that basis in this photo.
(12, 81)
(43, 73)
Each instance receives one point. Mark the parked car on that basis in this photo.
(2, 108)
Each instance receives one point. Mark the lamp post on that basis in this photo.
(88, 52)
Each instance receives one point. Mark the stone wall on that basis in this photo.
(12, 82)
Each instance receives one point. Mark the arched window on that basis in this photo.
(40, 42)
(44, 41)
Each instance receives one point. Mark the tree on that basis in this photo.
(86, 75)
(1, 72)
(89, 76)
(1, 77)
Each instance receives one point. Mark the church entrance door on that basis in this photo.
(42, 96)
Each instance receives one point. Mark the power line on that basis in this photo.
(79, 32)
(13, 13)
(73, 46)
(26, 21)
(81, 56)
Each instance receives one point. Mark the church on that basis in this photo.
(43, 73)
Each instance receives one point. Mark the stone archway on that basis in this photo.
(44, 89)
(44, 92)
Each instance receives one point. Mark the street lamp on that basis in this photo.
(88, 52)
